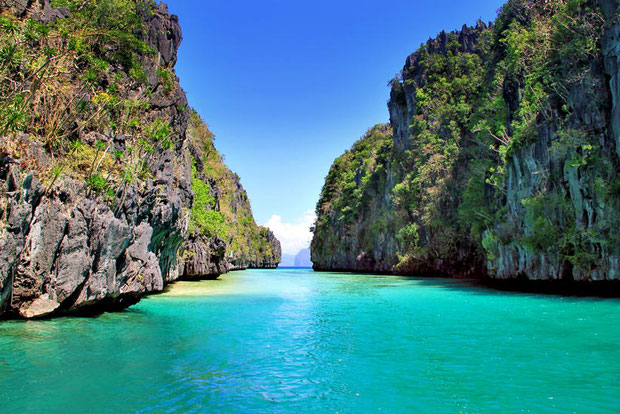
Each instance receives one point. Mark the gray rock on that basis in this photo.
(611, 53)
(163, 33)
(204, 258)
(65, 250)
(19, 6)
(41, 306)
(37, 9)
(582, 200)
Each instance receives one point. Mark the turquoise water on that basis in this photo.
(297, 341)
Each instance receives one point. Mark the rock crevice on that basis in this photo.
(66, 247)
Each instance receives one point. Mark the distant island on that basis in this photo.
(301, 259)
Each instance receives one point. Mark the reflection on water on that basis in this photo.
(293, 340)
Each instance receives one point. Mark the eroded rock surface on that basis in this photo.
(509, 179)
(65, 248)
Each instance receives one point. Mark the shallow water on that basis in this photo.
(297, 341)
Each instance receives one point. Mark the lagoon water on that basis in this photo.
(291, 340)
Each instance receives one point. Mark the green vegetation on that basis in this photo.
(204, 218)
(99, 38)
(221, 207)
(505, 149)
(552, 52)
(67, 78)
(356, 174)
(432, 188)
(352, 194)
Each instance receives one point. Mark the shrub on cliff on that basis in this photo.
(221, 206)
(79, 72)
(502, 151)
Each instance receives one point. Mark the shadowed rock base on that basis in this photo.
(69, 248)
(603, 289)
(94, 308)
(432, 192)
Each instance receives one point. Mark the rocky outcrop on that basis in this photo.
(67, 242)
(252, 246)
(355, 227)
(68, 252)
(561, 212)
(402, 104)
(163, 33)
(223, 235)
(370, 236)
(269, 254)
(65, 249)
(39, 9)
(503, 158)
(204, 258)
(611, 53)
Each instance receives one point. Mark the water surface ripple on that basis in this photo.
(297, 341)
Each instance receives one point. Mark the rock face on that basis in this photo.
(356, 216)
(560, 216)
(502, 159)
(403, 102)
(99, 223)
(611, 53)
(204, 258)
(221, 215)
(269, 253)
(40, 10)
(64, 250)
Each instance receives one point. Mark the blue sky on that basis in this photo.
(287, 86)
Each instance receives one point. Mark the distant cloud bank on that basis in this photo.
(293, 236)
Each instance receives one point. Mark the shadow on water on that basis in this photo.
(597, 289)
(478, 287)
(490, 287)
(486, 286)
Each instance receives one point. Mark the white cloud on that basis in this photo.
(293, 236)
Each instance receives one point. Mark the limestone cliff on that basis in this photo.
(356, 220)
(221, 211)
(96, 177)
(503, 156)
